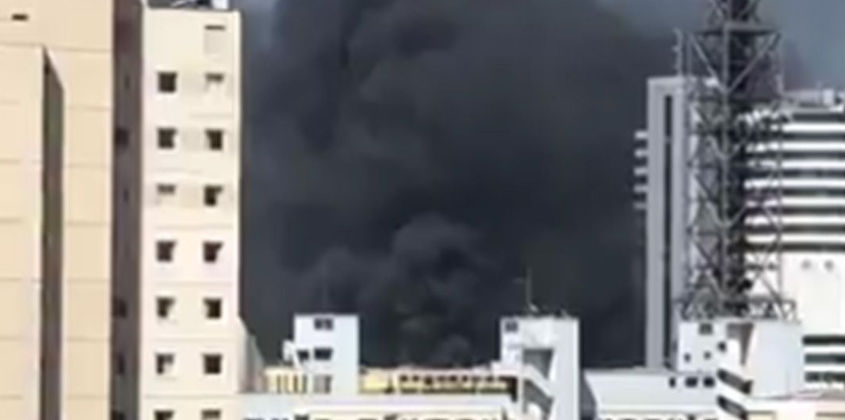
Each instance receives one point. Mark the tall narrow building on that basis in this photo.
(178, 344)
(56, 112)
(661, 182)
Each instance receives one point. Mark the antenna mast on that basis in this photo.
(733, 88)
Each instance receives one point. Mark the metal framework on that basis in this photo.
(733, 87)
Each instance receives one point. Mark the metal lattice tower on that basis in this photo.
(733, 87)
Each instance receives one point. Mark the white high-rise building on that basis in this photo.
(178, 339)
(810, 204)
(812, 208)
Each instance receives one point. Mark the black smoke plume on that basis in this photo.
(408, 159)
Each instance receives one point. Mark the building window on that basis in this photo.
(211, 195)
(211, 414)
(722, 346)
(322, 384)
(165, 191)
(705, 328)
(214, 138)
(166, 138)
(211, 251)
(163, 415)
(668, 117)
(119, 364)
(119, 310)
(691, 382)
(214, 82)
(709, 382)
(687, 357)
(164, 251)
(322, 353)
(117, 415)
(511, 326)
(302, 355)
(165, 363)
(213, 308)
(20, 17)
(164, 307)
(828, 265)
(672, 382)
(167, 82)
(325, 324)
(708, 355)
(212, 364)
(121, 138)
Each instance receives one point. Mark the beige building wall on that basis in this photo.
(178, 256)
(66, 263)
(21, 98)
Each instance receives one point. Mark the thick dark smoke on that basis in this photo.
(409, 159)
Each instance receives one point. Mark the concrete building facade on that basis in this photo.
(56, 113)
(320, 377)
(808, 203)
(660, 187)
(178, 345)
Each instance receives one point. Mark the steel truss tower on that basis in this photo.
(733, 86)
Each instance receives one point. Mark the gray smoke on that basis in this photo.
(408, 159)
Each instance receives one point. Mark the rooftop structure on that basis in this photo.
(536, 377)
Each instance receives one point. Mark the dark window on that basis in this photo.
(691, 382)
(825, 358)
(668, 116)
(672, 382)
(211, 251)
(214, 138)
(322, 353)
(163, 415)
(211, 415)
(166, 190)
(167, 82)
(166, 138)
(687, 357)
(303, 355)
(722, 346)
(20, 17)
(212, 364)
(211, 195)
(825, 340)
(705, 328)
(164, 251)
(511, 326)
(164, 363)
(121, 138)
(323, 324)
(213, 308)
(164, 307)
(709, 382)
(119, 364)
(708, 355)
(119, 309)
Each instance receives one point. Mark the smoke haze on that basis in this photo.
(408, 159)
